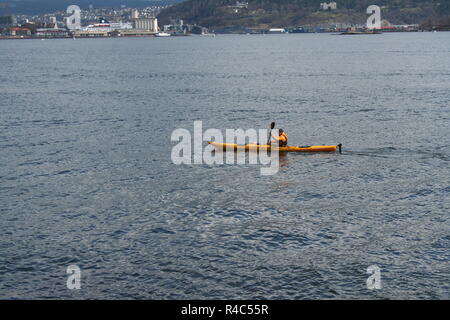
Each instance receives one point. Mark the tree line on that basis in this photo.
(195, 11)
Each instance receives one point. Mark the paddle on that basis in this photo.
(272, 125)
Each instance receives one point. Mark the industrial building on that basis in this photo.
(147, 24)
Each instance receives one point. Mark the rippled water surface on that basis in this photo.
(87, 179)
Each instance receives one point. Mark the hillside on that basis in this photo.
(47, 6)
(290, 13)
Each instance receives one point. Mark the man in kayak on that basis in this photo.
(282, 138)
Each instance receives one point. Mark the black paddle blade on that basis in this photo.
(272, 125)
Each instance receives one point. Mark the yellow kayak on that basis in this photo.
(257, 147)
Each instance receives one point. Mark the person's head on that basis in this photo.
(281, 131)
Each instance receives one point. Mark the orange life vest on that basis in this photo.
(283, 139)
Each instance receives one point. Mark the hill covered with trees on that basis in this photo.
(47, 6)
(290, 13)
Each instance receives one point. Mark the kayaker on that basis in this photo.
(282, 138)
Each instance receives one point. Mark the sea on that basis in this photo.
(88, 183)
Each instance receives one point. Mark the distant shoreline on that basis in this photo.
(154, 36)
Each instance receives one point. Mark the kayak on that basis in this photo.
(257, 147)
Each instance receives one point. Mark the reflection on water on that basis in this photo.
(284, 159)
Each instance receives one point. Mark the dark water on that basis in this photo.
(86, 175)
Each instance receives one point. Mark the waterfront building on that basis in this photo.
(89, 33)
(18, 32)
(147, 24)
(277, 30)
(52, 33)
